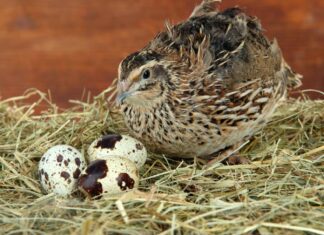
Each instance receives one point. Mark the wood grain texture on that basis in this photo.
(71, 46)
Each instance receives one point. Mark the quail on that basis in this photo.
(203, 85)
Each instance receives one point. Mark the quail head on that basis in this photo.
(203, 85)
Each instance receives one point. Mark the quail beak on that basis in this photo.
(122, 94)
(125, 91)
(121, 97)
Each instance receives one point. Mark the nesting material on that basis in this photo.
(279, 192)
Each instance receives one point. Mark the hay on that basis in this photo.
(280, 192)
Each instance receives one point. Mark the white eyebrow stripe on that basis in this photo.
(136, 72)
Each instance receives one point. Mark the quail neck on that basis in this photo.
(204, 84)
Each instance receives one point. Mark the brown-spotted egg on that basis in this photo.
(59, 169)
(115, 145)
(109, 176)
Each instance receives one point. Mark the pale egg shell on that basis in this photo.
(108, 176)
(60, 168)
(115, 145)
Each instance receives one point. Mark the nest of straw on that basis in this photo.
(280, 192)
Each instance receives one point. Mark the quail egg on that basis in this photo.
(59, 169)
(118, 145)
(108, 176)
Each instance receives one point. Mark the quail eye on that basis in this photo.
(146, 74)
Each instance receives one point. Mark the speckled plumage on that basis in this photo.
(204, 84)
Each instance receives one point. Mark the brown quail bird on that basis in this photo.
(203, 85)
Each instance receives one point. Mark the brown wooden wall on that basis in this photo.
(75, 45)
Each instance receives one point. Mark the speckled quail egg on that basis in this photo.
(109, 176)
(59, 169)
(118, 145)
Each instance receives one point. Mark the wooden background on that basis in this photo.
(71, 46)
